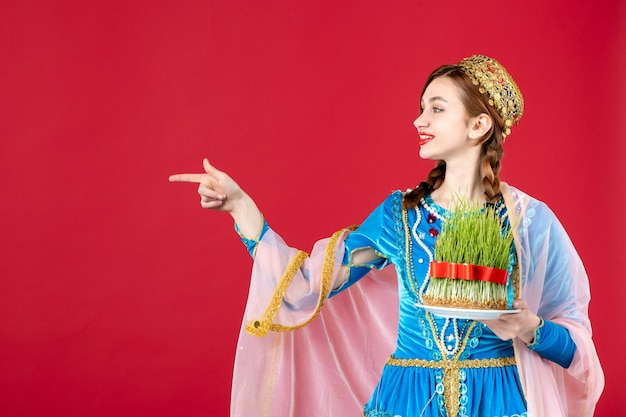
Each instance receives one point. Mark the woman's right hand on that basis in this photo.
(220, 192)
(217, 190)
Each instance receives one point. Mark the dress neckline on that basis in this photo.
(443, 213)
(439, 211)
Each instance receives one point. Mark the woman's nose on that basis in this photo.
(419, 122)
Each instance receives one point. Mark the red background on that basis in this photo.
(120, 296)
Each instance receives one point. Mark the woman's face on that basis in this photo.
(444, 124)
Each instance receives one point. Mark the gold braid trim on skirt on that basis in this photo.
(449, 364)
(452, 374)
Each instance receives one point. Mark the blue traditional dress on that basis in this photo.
(441, 366)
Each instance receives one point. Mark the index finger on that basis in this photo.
(197, 178)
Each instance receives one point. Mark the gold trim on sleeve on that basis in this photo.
(262, 326)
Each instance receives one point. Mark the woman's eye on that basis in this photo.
(437, 109)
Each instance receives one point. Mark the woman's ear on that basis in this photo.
(479, 126)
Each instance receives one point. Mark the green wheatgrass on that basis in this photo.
(474, 235)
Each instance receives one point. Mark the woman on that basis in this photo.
(537, 361)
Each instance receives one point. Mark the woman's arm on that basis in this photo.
(218, 191)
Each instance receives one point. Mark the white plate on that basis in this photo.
(466, 313)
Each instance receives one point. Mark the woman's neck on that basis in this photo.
(459, 183)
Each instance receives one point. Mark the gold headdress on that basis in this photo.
(496, 82)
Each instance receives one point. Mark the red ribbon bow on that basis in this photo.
(440, 269)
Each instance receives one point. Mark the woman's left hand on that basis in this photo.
(510, 326)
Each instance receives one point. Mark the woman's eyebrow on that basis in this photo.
(430, 100)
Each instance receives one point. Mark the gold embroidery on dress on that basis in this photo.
(462, 364)
(408, 250)
(451, 370)
(452, 374)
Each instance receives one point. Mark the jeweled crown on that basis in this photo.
(492, 79)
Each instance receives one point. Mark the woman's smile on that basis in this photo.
(425, 138)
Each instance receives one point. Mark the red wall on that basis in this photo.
(120, 296)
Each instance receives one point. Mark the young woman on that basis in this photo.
(538, 361)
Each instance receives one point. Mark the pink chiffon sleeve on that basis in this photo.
(555, 285)
(331, 366)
